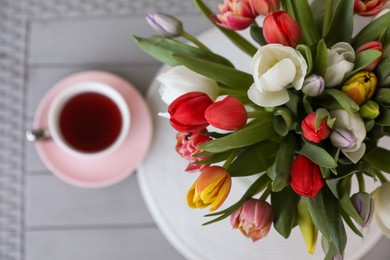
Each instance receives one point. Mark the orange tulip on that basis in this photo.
(210, 189)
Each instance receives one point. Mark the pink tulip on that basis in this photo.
(368, 7)
(374, 45)
(254, 219)
(264, 7)
(187, 145)
(227, 114)
(306, 177)
(309, 130)
(280, 27)
(187, 112)
(235, 14)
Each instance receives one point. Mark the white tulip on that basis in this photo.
(340, 62)
(382, 207)
(179, 80)
(355, 124)
(274, 68)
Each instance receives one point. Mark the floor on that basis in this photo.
(41, 217)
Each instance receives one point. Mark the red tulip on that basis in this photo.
(280, 27)
(235, 14)
(306, 178)
(374, 45)
(254, 219)
(310, 132)
(264, 7)
(227, 114)
(187, 112)
(187, 145)
(368, 7)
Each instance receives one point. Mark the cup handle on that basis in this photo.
(39, 134)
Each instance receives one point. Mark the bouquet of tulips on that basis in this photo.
(306, 121)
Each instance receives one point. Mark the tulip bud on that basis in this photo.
(235, 14)
(368, 7)
(374, 45)
(165, 24)
(360, 87)
(382, 207)
(187, 112)
(227, 114)
(306, 178)
(187, 145)
(364, 206)
(279, 27)
(307, 227)
(342, 138)
(264, 7)
(369, 110)
(309, 130)
(210, 189)
(254, 219)
(313, 85)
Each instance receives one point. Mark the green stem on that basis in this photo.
(362, 184)
(266, 193)
(255, 114)
(381, 177)
(230, 159)
(192, 39)
(327, 17)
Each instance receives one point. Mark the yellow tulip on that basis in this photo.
(307, 227)
(369, 110)
(210, 189)
(360, 87)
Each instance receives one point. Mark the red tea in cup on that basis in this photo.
(89, 119)
(90, 122)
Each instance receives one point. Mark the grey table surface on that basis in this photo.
(41, 217)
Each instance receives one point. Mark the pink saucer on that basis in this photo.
(107, 170)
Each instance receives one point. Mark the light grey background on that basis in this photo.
(41, 217)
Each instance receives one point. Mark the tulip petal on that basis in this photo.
(382, 208)
(222, 195)
(268, 99)
(271, 80)
(355, 156)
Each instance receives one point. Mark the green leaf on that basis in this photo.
(237, 39)
(254, 159)
(382, 71)
(384, 117)
(341, 26)
(379, 158)
(280, 173)
(260, 184)
(363, 59)
(282, 120)
(301, 12)
(321, 61)
(224, 74)
(321, 113)
(318, 155)
(257, 34)
(306, 53)
(284, 203)
(344, 101)
(345, 201)
(214, 158)
(258, 130)
(372, 31)
(162, 49)
(349, 222)
(325, 213)
(383, 96)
